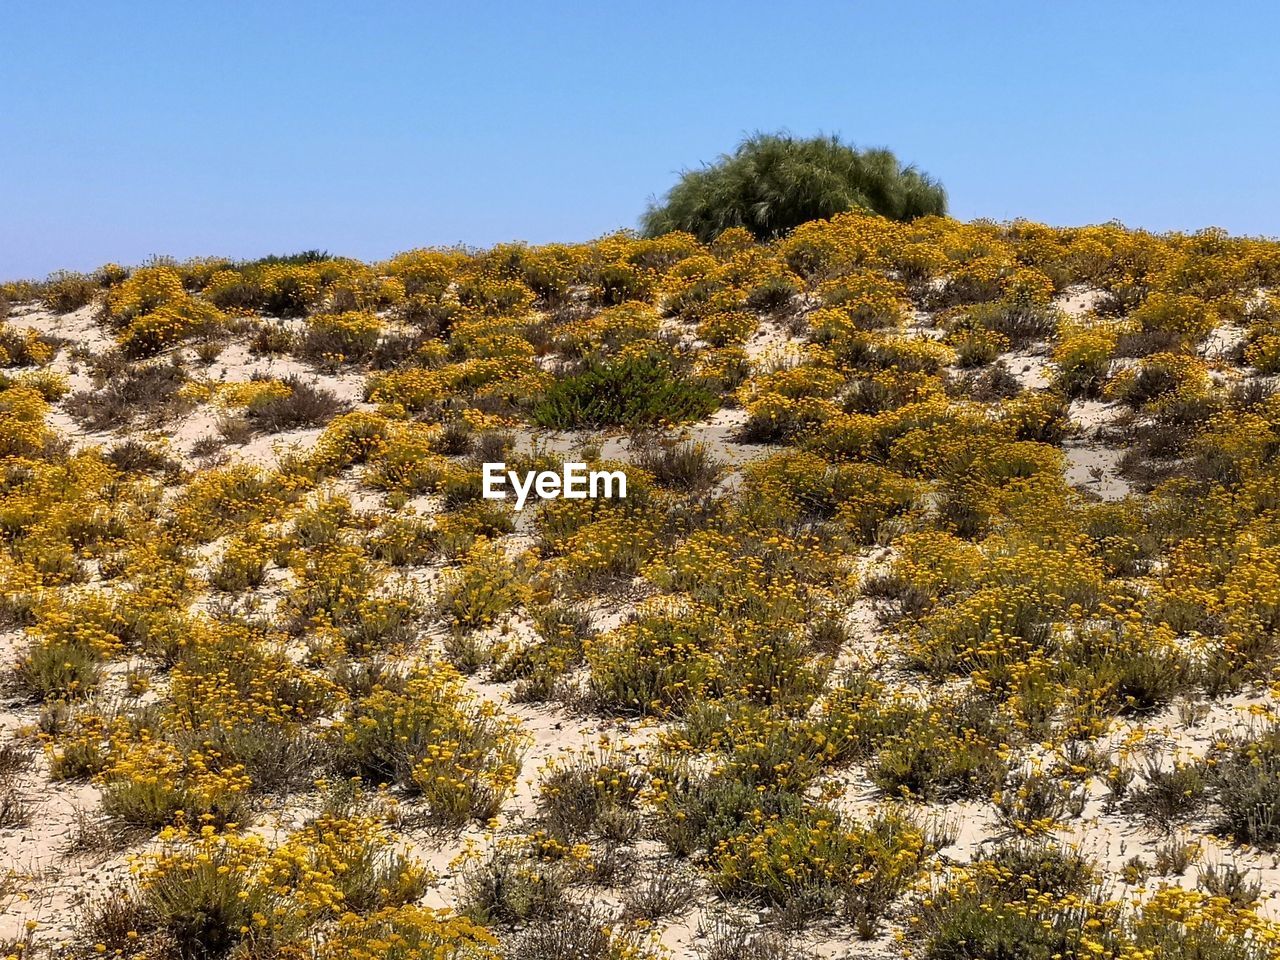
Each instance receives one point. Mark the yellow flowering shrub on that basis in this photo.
(459, 753)
(152, 310)
(22, 422)
(865, 300)
(1263, 352)
(609, 330)
(219, 499)
(211, 892)
(1083, 360)
(23, 349)
(406, 933)
(868, 866)
(352, 438)
(342, 337)
(485, 588)
(1176, 313)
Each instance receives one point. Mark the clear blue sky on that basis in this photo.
(133, 128)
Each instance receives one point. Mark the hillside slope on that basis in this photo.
(940, 616)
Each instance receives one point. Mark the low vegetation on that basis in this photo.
(939, 617)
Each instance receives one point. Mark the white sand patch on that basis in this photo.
(1223, 342)
(1078, 300)
(717, 432)
(71, 428)
(53, 884)
(80, 327)
(1032, 371)
(923, 326)
(768, 336)
(266, 449)
(237, 365)
(195, 426)
(1092, 415)
(1094, 468)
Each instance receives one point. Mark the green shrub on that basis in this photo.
(775, 182)
(634, 389)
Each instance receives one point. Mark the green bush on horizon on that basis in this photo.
(772, 183)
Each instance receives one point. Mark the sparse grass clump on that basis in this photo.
(587, 933)
(1247, 782)
(593, 793)
(149, 392)
(516, 882)
(304, 405)
(686, 466)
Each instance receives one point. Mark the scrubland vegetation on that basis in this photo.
(941, 618)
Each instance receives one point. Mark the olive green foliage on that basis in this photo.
(772, 183)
